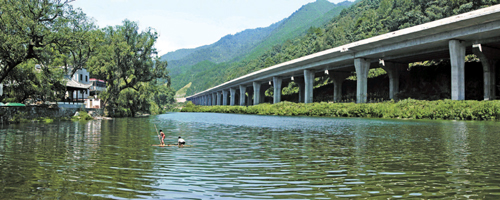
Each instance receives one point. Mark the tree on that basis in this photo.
(126, 59)
(78, 42)
(28, 28)
(26, 81)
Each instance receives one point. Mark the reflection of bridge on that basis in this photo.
(475, 32)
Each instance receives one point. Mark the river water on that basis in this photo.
(250, 157)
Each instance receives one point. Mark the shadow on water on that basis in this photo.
(253, 157)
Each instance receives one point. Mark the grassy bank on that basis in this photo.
(404, 109)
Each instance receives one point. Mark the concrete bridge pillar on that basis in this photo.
(393, 70)
(309, 84)
(243, 90)
(256, 93)
(233, 96)
(213, 99)
(263, 89)
(277, 89)
(489, 59)
(457, 59)
(300, 82)
(338, 78)
(362, 67)
(224, 97)
(219, 99)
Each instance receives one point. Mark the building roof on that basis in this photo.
(76, 85)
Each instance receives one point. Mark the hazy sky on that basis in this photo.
(190, 23)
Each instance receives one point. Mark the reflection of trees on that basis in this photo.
(70, 159)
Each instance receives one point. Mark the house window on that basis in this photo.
(86, 78)
(81, 77)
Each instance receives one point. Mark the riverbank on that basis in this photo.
(404, 109)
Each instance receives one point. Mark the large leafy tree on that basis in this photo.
(28, 29)
(25, 82)
(78, 42)
(126, 59)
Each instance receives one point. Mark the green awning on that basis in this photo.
(14, 104)
(2, 104)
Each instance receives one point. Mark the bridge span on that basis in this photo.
(476, 32)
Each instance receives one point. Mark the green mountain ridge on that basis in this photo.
(364, 19)
(185, 64)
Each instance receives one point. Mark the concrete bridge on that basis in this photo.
(476, 32)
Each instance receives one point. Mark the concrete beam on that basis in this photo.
(338, 78)
(362, 67)
(233, 96)
(219, 99)
(309, 85)
(489, 59)
(213, 99)
(393, 70)
(243, 90)
(224, 97)
(457, 59)
(256, 93)
(300, 82)
(277, 89)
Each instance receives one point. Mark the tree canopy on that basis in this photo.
(126, 58)
(56, 37)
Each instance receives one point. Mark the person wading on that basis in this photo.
(162, 135)
(181, 142)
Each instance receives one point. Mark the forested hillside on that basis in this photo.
(248, 44)
(365, 19)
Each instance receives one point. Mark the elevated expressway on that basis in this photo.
(451, 38)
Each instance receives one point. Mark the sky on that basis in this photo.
(190, 23)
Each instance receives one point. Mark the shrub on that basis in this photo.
(404, 109)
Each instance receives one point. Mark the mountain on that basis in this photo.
(227, 48)
(249, 43)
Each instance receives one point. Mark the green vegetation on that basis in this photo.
(405, 109)
(182, 92)
(364, 19)
(55, 37)
(191, 65)
(82, 115)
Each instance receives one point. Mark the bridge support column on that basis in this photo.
(243, 90)
(488, 57)
(224, 97)
(309, 85)
(393, 70)
(219, 99)
(277, 89)
(338, 78)
(213, 99)
(233, 96)
(457, 59)
(256, 93)
(362, 67)
(300, 82)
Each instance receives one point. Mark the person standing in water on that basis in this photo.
(162, 135)
(181, 142)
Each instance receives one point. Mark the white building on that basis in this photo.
(78, 85)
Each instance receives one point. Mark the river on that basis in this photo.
(250, 157)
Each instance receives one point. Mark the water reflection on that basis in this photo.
(253, 157)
